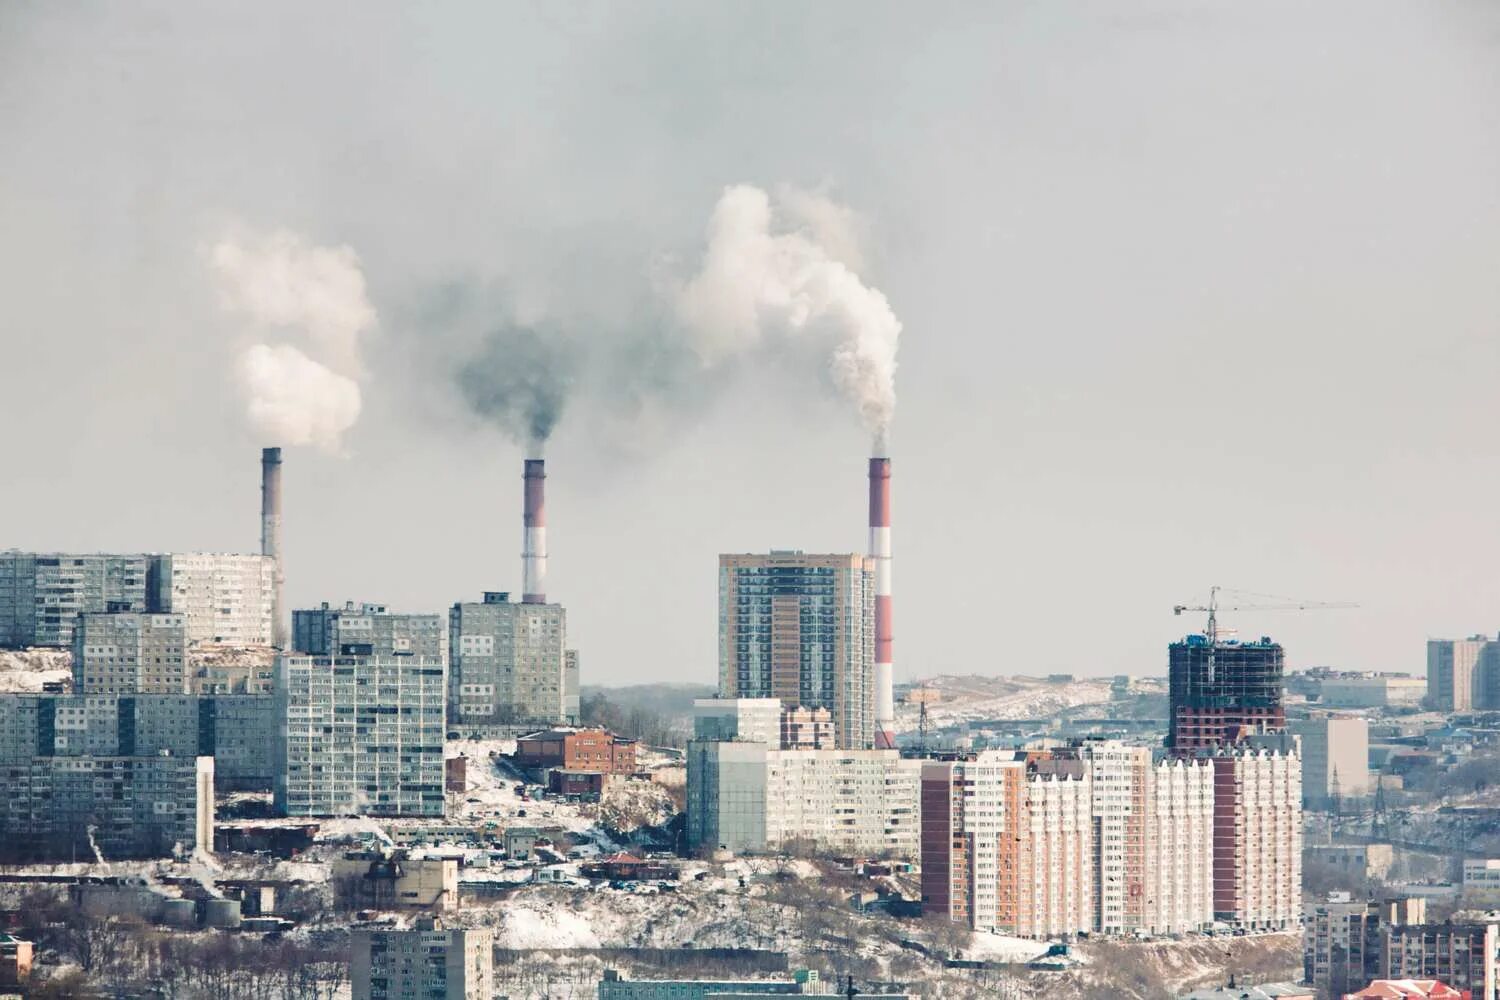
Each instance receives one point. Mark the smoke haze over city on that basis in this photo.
(1185, 295)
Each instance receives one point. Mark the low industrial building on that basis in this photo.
(808, 983)
(15, 960)
(394, 880)
(577, 750)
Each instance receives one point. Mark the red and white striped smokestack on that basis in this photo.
(534, 543)
(880, 551)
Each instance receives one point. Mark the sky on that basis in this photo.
(1190, 294)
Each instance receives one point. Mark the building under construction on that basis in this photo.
(1222, 690)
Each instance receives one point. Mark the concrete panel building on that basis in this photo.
(428, 962)
(509, 664)
(80, 808)
(1335, 759)
(1463, 955)
(754, 720)
(752, 797)
(368, 630)
(1455, 673)
(224, 598)
(359, 735)
(43, 593)
(1257, 845)
(800, 628)
(129, 653)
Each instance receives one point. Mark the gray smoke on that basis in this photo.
(519, 379)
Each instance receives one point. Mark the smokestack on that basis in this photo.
(880, 551)
(534, 550)
(270, 536)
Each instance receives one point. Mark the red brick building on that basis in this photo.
(577, 750)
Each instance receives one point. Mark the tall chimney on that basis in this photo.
(880, 551)
(534, 550)
(270, 537)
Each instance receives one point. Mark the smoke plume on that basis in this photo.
(297, 395)
(766, 281)
(519, 378)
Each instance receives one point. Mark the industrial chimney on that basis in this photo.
(534, 543)
(880, 552)
(270, 537)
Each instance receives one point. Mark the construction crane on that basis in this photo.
(1213, 608)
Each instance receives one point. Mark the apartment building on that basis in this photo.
(359, 735)
(224, 598)
(1007, 843)
(1000, 840)
(428, 962)
(1460, 954)
(510, 665)
(753, 797)
(368, 630)
(237, 730)
(1455, 672)
(1257, 839)
(43, 593)
(130, 652)
(1342, 939)
(800, 628)
(754, 720)
(1335, 759)
(88, 807)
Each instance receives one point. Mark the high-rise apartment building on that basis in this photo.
(1010, 839)
(1335, 759)
(130, 652)
(43, 593)
(801, 628)
(1221, 690)
(1257, 841)
(224, 598)
(1007, 844)
(1462, 672)
(359, 735)
(1463, 955)
(110, 807)
(368, 630)
(510, 664)
(428, 962)
(1342, 940)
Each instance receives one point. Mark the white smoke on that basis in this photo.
(773, 272)
(280, 280)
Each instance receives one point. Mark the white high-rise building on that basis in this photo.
(224, 598)
(359, 735)
(1179, 892)
(1335, 758)
(428, 962)
(1258, 844)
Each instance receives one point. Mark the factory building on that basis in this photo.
(804, 982)
(1257, 834)
(223, 598)
(109, 807)
(359, 735)
(130, 652)
(1335, 759)
(1372, 691)
(368, 630)
(236, 730)
(428, 962)
(801, 628)
(43, 593)
(510, 664)
(1221, 690)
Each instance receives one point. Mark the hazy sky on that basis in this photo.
(1192, 294)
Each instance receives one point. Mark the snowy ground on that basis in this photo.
(26, 670)
(971, 699)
